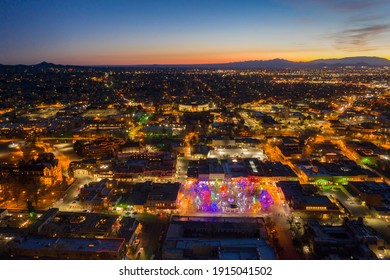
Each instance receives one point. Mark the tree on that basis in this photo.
(32, 186)
(10, 187)
(290, 221)
(30, 207)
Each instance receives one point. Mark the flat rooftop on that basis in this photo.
(345, 168)
(167, 192)
(93, 113)
(371, 187)
(83, 223)
(292, 191)
(73, 244)
(238, 238)
(268, 168)
(216, 227)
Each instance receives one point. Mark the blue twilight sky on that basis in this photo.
(92, 32)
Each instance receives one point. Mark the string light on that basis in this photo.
(238, 193)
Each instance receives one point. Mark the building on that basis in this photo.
(68, 248)
(350, 240)
(3, 213)
(372, 194)
(304, 204)
(201, 151)
(157, 131)
(289, 147)
(45, 169)
(129, 148)
(134, 196)
(194, 107)
(340, 172)
(146, 166)
(81, 224)
(163, 196)
(101, 147)
(217, 238)
(216, 169)
(222, 142)
(326, 152)
(129, 229)
(83, 168)
(43, 220)
(268, 171)
(154, 196)
(364, 152)
(96, 195)
(13, 224)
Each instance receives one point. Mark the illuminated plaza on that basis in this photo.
(238, 195)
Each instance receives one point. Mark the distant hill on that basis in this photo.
(358, 60)
(282, 63)
(278, 63)
(45, 64)
(274, 63)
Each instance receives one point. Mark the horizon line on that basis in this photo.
(189, 64)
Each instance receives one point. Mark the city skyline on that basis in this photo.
(172, 32)
(237, 131)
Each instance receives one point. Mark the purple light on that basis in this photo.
(209, 197)
(266, 199)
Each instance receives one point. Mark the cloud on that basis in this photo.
(341, 6)
(352, 5)
(364, 18)
(359, 39)
(364, 23)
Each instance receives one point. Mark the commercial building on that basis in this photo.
(68, 248)
(222, 142)
(95, 195)
(350, 240)
(372, 194)
(340, 172)
(304, 204)
(289, 147)
(146, 166)
(101, 147)
(264, 171)
(364, 152)
(269, 171)
(77, 224)
(163, 196)
(217, 239)
(13, 224)
(129, 229)
(83, 168)
(194, 107)
(326, 152)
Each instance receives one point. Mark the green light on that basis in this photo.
(368, 161)
(321, 181)
(144, 119)
(342, 180)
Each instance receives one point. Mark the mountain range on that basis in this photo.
(357, 61)
(319, 63)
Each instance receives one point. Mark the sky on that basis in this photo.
(131, 32)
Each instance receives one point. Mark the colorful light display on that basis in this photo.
(265, 199)
(234, 195)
